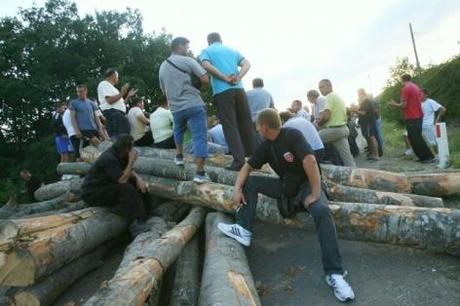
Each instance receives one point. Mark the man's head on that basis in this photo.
(257, 83)
(296, 105)
(285, 116)
(138, 102)
(425, 94)
(213, 38)
(111, 75)
(213, 121)
(312, 96)
(180, 45)
(163, 102)
(124, 144)
(60, 107)
(361, 94)
(325, 87)
(25, 174)
(406, 78)
(82, 91)
(268, 123)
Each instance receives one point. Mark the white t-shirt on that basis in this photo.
(161, 124)
(308, 130)
(67, 121)
(106, 89)
(429, 107)
(138, 128)
(303, 114)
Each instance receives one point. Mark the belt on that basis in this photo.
(336, 126)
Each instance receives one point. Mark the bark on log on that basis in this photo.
(227, 279)
(168, 169)
(33, 248)
(437, 184)
(337, 192)
(145, 263)
(48, 290)
(186, 288)
(57, 189)
(171, 211)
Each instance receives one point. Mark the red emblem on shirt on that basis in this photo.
(289, 157)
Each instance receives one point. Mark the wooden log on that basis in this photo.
(441, 184)
(227, 279)
(48, 290)
(186, 287)
(338, 192)
(144, 264)
(56, 189)
(171, 211)
(33, 248)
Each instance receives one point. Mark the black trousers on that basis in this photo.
(168, 143)
(117, 123)
(233, 112)
(418, 144)
(324, 224)
(121, 199)
(145, 141)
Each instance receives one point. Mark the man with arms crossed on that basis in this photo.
(288, 153)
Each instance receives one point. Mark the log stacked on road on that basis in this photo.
(227, 279)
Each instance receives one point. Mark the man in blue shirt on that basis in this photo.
(227, 67)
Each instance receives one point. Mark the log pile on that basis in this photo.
(47, 246)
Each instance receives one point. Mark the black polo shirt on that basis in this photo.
(104, 173)
(32, 185)
(285, 154)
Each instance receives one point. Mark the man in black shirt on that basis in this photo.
(112, 182)
(288, 153)
(32, 183)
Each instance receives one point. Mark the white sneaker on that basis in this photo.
(342, 289)
(201, 179)
(236, 232)
(409, 152)
(179, 160)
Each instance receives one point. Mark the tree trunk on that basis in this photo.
(437, 184)
(186, 289)
(54, 190)
(227, 279)
(33, 248)
(337, 192)
(48, 290)
(172, 211)
(145, 262)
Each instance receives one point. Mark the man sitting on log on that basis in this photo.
(112, 182)
(288, 153)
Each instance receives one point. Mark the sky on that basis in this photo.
(292, 44)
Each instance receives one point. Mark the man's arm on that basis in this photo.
(140, 183)
(204, 79)
(245, 66)
(324, 117)
(215, 72)
(143, 119)
(128, 171)
(238, 197)
(442, 112)
(314, 178)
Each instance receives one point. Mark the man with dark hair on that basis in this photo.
(411, 105)
(113, 103)
(333, 123)
(291, 157)
(298, 111)
(63, 145)
(32, 183)
(318, 103)
(162, 123)
(188, 108)
(86, 124)
(112, 182)
(258, 98)
(139, 123)
(232, 107)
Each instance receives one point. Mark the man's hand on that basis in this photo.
(142, 185)
(393, 104)
(124, 89)
(132, 156)
(238, 198)
(310, 199)
(131, 93)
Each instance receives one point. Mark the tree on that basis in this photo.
(402, 66)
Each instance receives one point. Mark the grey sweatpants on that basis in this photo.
(338, 137)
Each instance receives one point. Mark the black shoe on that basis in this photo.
(428, 161)
(234, 167)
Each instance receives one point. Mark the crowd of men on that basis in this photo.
(292, 142)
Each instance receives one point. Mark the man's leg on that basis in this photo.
(338, 138)
(199, 130)
(110, 121)
(245, 125)
(180, 125)
(131, 203)
(414, 132)
(227, 114)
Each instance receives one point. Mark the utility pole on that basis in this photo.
(415, 48)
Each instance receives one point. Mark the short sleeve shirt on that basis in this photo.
(336, 105)
(308, 130)
(138, 128)
(258, 100)
(32, 185)
(285, 154)
(412, 95)
(106, 89)
(161, 124)
(177, 85)
(67, 121)
(429, 107)
(85, 113)
(368, 107)
(319, 106)
(226, 60)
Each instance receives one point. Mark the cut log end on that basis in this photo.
(26, 298)
(16, 271)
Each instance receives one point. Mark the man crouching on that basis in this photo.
(111, 182)
(289, 154)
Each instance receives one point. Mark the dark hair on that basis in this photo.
(269, 117)
(24, 171)
(406, 77)
(425, 91)
(312, 93)
(84, 86)
(257, 82)
(109, 72)
(298, 102)
(214, 37)
(136, 101)
(123, 142)
(326, 81)
(162, 101)
(178, 41)
(285, 116)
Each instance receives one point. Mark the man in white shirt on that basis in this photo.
(429, 108)
(299, 111)
(162, 126)
(113, 103)
(139, 124)
(318, 103)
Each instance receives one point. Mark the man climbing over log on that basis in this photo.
(288, 153)
(112, 182)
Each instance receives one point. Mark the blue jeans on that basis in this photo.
(196, 120)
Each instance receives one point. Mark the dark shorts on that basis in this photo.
(63, 145)
(369, 130)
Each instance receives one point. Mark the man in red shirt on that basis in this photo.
(411, 104)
